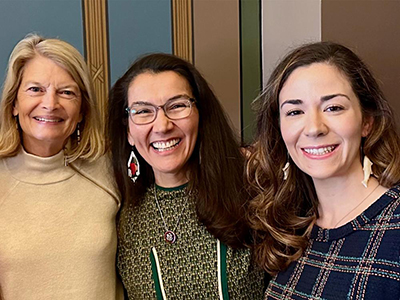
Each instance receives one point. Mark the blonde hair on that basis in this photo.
(92, 143)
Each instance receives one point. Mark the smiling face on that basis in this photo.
(165, 144)
(48, 106)
(321, 122)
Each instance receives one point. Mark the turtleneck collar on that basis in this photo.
(34, 169)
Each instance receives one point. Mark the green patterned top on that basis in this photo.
(189, 267)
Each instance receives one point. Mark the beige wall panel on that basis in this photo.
(372, 30)
(216, 50)
(285, 25)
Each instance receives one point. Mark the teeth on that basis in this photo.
(164, 146)
(319, 151)
(47, 120)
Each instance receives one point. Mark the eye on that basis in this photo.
(334, 108)
(176, 105)
(67, 92)
(294, 112)
(35, 89)
(142, 111)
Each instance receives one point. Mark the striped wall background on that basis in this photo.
(234, 43)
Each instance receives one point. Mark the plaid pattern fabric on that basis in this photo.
(360, 260)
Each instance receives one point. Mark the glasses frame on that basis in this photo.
(158, 107)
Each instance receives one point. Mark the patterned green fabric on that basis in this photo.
(189, 266)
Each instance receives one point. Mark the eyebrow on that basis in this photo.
(323, 99)
(292, 101)
(172, 98)
(329, 97)
(66, 86)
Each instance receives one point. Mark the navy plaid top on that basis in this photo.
(359, 260)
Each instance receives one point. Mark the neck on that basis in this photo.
(43, 150)
(170, 180)
(342, 199)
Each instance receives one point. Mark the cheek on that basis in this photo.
(287, 133)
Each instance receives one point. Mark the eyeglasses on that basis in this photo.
(142, 113)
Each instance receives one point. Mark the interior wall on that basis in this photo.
(46, 17)
(136, 28)
(371, 29)
(216, 50)
(285, 25)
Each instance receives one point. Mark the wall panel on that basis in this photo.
(287, 24)
(371, 29)
(217, 50)
(51, 18)
(137, 27)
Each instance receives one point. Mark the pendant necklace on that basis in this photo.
(169, 235)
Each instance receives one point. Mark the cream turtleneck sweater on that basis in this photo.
(57, 229)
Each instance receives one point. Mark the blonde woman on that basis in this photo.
(57, 204)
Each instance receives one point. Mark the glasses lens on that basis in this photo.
(178, 108)
(142, 114)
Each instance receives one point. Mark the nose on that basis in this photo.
(315, 124)
(50, 100)
(162, 123)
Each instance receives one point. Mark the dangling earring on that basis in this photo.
(285, 170)
(367, 167)
(16, 122)
(133, 166)
(78, 134)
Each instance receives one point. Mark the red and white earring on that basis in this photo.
(133, 167)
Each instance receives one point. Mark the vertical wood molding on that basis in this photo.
(182, 24)
(96, 50)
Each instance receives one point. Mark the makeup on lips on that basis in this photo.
(163, 146)
(319, 151)
(48, 119)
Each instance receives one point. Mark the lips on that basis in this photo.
(165, 145)
(48, 119)
(319, 151)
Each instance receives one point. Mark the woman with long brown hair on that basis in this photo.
(324, 170)
(182, 231)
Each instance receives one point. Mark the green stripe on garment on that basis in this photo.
(224, 277)
(155, 276)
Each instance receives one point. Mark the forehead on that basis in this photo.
(157, 88)
(41, 67)
(314, 81)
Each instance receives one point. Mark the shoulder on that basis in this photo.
(99, 172)
(5, 172)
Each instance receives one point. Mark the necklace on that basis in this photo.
(363, 200)
(169, 235)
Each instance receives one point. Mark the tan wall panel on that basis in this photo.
(216, 50)
(372, 30)
(287, 24)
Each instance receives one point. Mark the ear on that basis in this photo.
(367, 126)
(15, 111)
(130, 139)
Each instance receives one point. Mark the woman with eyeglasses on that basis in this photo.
(180, 173)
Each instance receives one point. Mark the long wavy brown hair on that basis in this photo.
(283, 212)
(217, 180)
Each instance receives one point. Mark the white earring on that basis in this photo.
(367, 167)
(285, 170)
